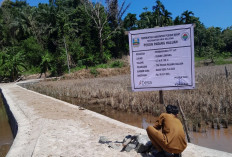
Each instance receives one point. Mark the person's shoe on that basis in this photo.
(177, 155)
(168, 154)
(160, 154)
(163, 154)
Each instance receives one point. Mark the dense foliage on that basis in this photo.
(78, 33)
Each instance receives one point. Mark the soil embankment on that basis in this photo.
(50, 127)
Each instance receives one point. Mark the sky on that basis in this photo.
(217, 13)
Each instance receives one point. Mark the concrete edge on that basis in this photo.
(11, 118)
(24, 127)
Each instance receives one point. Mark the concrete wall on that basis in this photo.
(12, 120)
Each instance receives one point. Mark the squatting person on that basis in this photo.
(172, 138)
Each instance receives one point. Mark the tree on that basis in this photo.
(130, 22)
(146, 20)
(46, 64)
(213, 43)
(11, 15)
(177, 21)
(1, 32)
(31, 25)
(227, 38)
(97, 13)
(186, 17)
(214, 38)
(33, 51)
(210, 53)
(101, 16)
(11, 64)
(158, 13)
(115, 13)
(199, 37)
(167, 18)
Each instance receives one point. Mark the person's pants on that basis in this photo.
(157, 138)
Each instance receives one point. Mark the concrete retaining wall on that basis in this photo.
(12, 120)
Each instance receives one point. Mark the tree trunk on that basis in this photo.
(101, 46)
(67, 55)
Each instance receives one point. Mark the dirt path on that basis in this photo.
(50, 127)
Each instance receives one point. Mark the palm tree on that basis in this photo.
(130, 21)
(30, 25)
(115, 12)
(158, 13)
(186, 17)
(167, 19)
(46, 64)
(177, 21)
(146, 20)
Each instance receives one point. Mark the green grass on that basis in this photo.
(34, 70)
(111, 64)
(117, 64)
(197, 59)
(222, 61)
(77, 68)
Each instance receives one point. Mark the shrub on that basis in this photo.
(116, 64)
(94, 72)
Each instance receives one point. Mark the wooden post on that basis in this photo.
(185, 122)
(226, 72)
(161, 97)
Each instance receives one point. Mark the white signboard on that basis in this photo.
(162, 58)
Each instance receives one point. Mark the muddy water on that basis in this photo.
(6, 137)
(213, 138)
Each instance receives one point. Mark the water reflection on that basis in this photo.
(6, 137)
(214, 138)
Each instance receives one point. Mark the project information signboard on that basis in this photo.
(162, 58)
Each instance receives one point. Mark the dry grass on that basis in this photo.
(209, 102)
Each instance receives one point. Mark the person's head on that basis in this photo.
(171, 109)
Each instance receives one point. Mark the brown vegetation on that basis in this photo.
(209, 103)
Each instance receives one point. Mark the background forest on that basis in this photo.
(76, 34)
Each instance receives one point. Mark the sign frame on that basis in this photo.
(150, 49)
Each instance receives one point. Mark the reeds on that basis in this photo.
(210, 100)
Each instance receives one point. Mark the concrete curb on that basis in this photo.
(11, 118)
(24, 127)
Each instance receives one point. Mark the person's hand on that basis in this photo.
(144, 124)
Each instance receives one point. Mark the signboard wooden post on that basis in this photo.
(162, 58)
